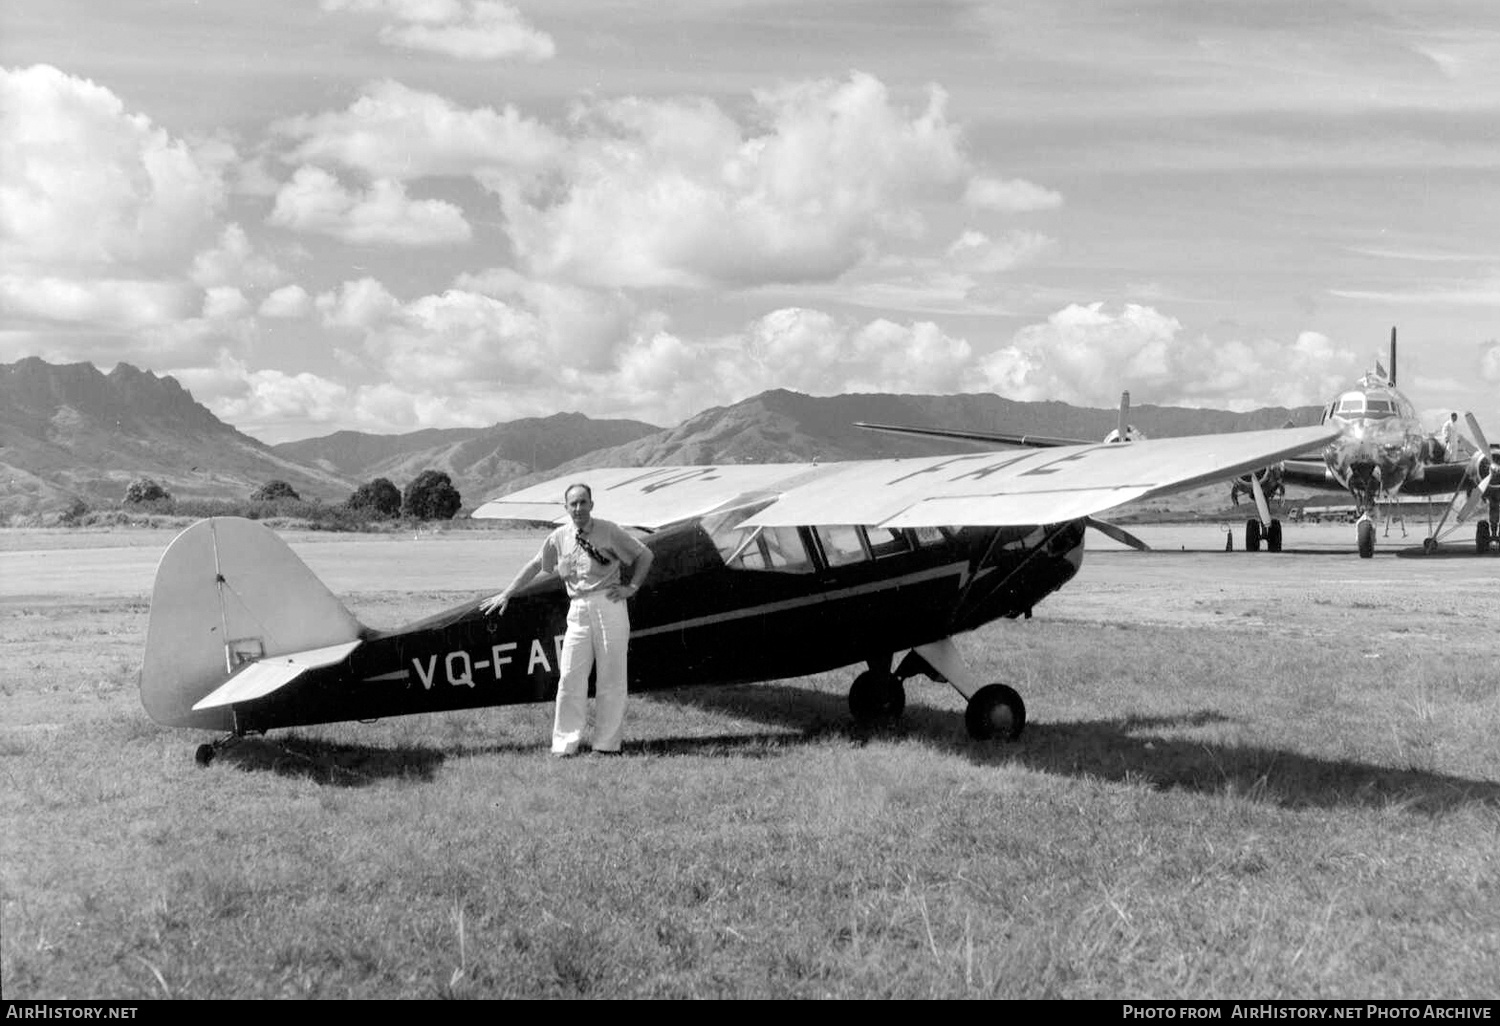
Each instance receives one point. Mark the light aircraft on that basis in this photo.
(760, 572)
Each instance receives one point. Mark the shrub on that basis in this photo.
(274, 491)
(144, 489)
(377, 498)
(431, 497)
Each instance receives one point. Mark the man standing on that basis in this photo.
(1450, 439)
(587, 553)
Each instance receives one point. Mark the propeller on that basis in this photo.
(1481, 472)
(1118, 533)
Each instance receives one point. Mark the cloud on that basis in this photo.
(480, 30)
(1087, 355)
(85, 184)
(674, 193)
(315, 201)
(234, 261)
(263, 398)
(289, 301)
(123, 304)
(399, 133)
(1013, 197)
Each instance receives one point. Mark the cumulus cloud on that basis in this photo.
(675, 193)
(1489, 361)
(315, 201)
(289, 301)
(1013, 196)
(84, 184)
(120, 303)
(1087, 355)
(263, 399)
(233, 260)
(399, 133)
(479, 30)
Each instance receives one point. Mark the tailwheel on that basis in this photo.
(1482, 537)
(1273, 536)
(205, 753)
(995, 712)
(876, 697)
(1366, 536)
(1252, 535)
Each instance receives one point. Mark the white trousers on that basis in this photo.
(598, 633)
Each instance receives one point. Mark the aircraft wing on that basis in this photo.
(994, 438)
(1035, 486)
(652, 497)
(1031, 486)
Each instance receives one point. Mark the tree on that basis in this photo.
(376, 498)
(271, 491)
(144, 489)
(431, 497)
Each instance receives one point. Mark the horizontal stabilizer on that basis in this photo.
(260, 678)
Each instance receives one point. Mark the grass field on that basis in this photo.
(1244, 777)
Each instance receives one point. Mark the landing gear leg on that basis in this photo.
(994, 711)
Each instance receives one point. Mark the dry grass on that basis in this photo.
(1216, 805)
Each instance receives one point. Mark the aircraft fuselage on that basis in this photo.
(699, 621)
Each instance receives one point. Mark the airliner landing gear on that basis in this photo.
(1254, 534)
(995, 711)
(876, 696)
(1482, 537)
(1365, 532)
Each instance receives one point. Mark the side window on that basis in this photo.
(887, 542)
(841, 544)
(784, 549)
(929, 535)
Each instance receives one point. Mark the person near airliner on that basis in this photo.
(1449, 438)
(588, 554)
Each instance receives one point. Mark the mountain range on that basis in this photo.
(70, 431)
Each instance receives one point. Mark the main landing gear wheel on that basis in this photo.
(995, 712)
(1366, 535)
(876, 697)
(204, 755)
(1252, 535)
(1482, 537)
(1429, 545)
(1273, 536)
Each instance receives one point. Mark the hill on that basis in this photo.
(481, 461)
(70, 431)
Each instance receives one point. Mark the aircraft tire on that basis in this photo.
(1273, 537)
(876, 698)
(995, 712)
(1482, 537)
(1252, 535)
(204, 755)
(1429, 545)
(1365, 533)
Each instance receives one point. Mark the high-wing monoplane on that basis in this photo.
(760, 572)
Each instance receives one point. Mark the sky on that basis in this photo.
(389, 215)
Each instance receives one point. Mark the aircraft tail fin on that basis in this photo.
(229, 592)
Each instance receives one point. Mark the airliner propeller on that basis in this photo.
(1480, 476)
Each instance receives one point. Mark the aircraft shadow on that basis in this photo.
(1130, 749)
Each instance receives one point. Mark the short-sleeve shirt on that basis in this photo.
(581, 572)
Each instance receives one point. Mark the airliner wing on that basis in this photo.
(1033, 486)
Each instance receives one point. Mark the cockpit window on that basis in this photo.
(841, 544)
(763, 548)
(1352, 406)
(1379, 407)
(887, 542)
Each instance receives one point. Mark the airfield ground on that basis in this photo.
(1246, 775)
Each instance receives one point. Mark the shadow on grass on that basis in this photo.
(347, 765)
(1131, 749)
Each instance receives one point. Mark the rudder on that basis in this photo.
(229, 591)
